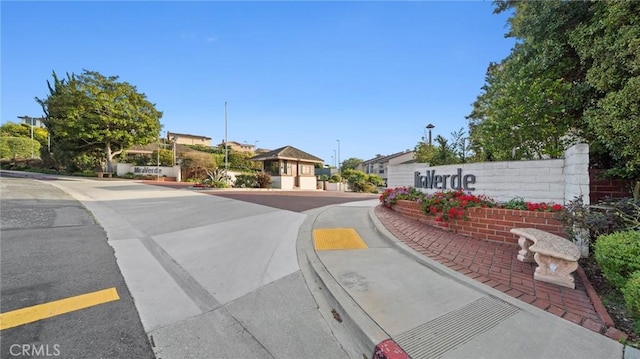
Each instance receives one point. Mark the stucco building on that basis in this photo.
(289, 167)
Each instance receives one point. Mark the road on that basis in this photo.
(212, 276)
(53, 249)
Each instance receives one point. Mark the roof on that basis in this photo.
(187, 135)
(381, 158)
(287, 153)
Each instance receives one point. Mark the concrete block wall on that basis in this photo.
(552, 180)
(576, 173)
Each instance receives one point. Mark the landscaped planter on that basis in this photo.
(491, 224)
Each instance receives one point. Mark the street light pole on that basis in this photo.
(339, 167)
(31, 123)
(226, 147)
(430, 127)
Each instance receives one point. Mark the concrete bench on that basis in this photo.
(556, 257)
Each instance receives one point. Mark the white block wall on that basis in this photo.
(576, 169)
(557, 180)
(308, 182)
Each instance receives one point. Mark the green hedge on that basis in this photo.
(618, 256)
(631, 293)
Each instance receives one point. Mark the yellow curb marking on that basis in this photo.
(32, 314)
(337, 238)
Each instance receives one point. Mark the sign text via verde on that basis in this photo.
(431, 180)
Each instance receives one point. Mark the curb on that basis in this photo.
(358, 334)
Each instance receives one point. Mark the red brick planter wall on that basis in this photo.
(491, 224)
(601, 188)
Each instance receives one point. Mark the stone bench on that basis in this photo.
(556, 256)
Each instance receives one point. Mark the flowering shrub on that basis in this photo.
(391, 195)
(521, 204)
(451, 204)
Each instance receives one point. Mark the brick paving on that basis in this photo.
(495, 264)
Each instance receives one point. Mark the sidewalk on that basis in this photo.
(495, 264)
(420, 292)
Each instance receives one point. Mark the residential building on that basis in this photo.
(239, 147)
(379, 164)
(187, 139)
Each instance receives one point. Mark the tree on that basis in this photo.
(443, 153)
(23, 130)
(92, 112)
(531, 104)
(610, 43)
(17, 147)
(351, 163)
(572, 76)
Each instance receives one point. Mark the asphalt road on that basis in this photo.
(213, 274)
(52, 249)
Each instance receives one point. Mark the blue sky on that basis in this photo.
(306, 74)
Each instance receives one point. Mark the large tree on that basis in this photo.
(530, 105)
(573, 75)
(609, 42)
(91, 113)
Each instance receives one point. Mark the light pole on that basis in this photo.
(158, 160)
(174, 139)
(430, 127)
(339, 167)
(226, 148)
(334, 158)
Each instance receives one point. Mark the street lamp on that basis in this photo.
(430, 127)
(339, 167)
(226, 148)
(174, 139)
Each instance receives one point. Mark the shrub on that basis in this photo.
(129, 175)
(606, 217)
(631, 292)
(246, 181)
(335, 178)
(263, 179)
(451, 204)
(362, 182)
(520, 204)
(618, 256)
(391, 195)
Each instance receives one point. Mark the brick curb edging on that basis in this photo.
(610, 329)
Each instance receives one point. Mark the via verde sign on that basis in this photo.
(431, 180)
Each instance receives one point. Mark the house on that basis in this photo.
(379, 164)
(186, 139)
(239, 147)
(289, 167)
(32, 121)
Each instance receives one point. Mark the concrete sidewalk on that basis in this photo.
(391, 301)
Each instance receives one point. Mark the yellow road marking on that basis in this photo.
(337, 238)
(26, 315)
